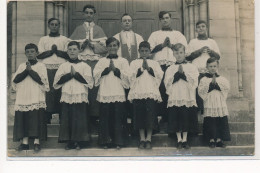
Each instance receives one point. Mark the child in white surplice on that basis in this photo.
(145, 79)
(111, 75)
(181, 80)
(213, 89)
(75, 78)
(30, 82)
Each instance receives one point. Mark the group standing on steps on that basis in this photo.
(120, 78)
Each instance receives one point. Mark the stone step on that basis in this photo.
(53, 129)
(133, 151)
(158, 140)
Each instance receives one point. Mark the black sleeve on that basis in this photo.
(35, 76)
(62, 54)
(211, 87)
(117, 73)
(139, 73)
(151, 72)
(193, 55)
(176, 77)
(214, 54)
(80, 78)
(105, 72)
(64, 79)
(45, 54)
(183, 76)
(21, 76)
(217, 87)
(157, 48)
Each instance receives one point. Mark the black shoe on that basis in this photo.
(212, 144)
(148, 145)
(22, 147)
(37, 147)
(220, 144)
(141, 145)
(179, 145)
(77, 146)
(185, 145)
(70, 146)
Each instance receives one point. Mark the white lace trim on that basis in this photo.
(74, 98)
(33, 106)
(215, 112)
(52, 66)
(165, 62)
(144, 96)
(180, 103)
(111, 99)
(94, 57)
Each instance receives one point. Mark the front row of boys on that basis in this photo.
(112, 75)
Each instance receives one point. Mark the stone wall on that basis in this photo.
(246, 14)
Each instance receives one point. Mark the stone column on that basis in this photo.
(191, 18)
(60, 8)
(203, 10)
(49, 6)
(239, 65)
(186, 20)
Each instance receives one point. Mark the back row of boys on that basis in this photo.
(76, 61)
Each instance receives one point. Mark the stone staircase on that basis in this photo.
(241, 121)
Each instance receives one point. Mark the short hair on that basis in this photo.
(144, 44)
(211, 60)
(162, 13)
(112, 39)
(51, 19)
(72, 43)
(200, 22)
(31, 46)
(126, 14)
(89, 6)
(177, 46)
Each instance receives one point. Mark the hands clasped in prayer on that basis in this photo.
(111, 67)
(179, 75)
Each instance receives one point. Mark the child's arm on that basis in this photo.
(35, 76)
(62, 54)
(223, 85)
(65, 78)
(100, 67)
(124, 74)
(45, 54)
(21, 76)
(203, 87)
(80, 78)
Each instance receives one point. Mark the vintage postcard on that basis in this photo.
(131, 78)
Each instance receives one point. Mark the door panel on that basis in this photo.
(144, 13)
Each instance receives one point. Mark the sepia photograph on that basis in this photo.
(130, 78)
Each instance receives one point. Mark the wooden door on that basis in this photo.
(144, 13)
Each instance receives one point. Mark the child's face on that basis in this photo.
(144, 52)
(201, 29)
(179, 55)
(112, 48)
(166, 20)
(54, 26)
(212, 67)
(31, 53)
(73, 52)
(89, 15)
(126, 23)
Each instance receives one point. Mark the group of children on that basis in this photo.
(191, 78)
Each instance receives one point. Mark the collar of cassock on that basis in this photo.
(183, 62)
(202, 37)
(33, 61)
(167, 29)
(112, 56)
(75, 61)
(209, 75)
(54, 34)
